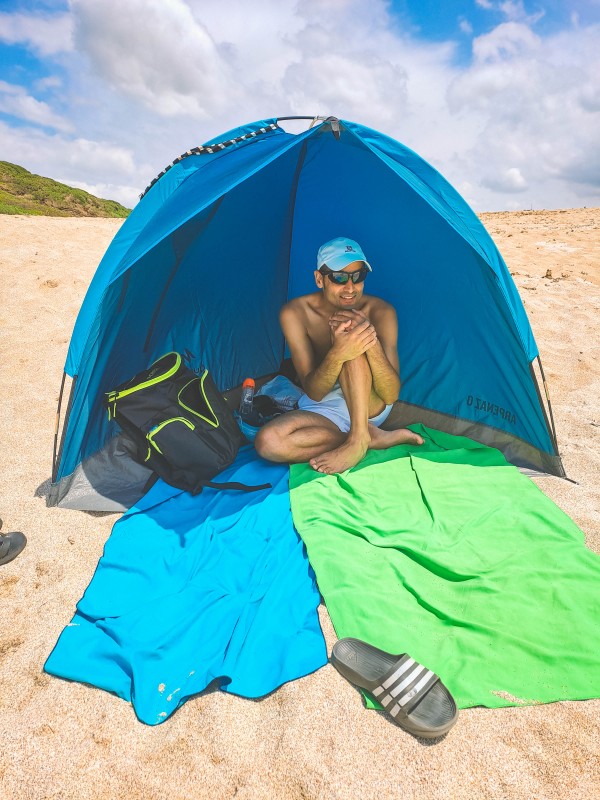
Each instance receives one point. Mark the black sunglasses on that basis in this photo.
(344, 277)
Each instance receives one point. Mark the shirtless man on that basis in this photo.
(343, 345)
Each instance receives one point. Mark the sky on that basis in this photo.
(501, 96)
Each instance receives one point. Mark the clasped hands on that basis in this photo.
(352, 334)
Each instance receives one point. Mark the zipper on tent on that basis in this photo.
(212, 148)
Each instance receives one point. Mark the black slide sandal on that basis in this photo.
(413, 696)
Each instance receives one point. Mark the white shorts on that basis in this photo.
(333, 406)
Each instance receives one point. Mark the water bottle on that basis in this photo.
(247, 397)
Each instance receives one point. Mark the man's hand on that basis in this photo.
(351, 337)
(351, 314)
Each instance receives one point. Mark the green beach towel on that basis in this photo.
(450, 554)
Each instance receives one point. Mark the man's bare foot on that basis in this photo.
(381, 440)
(342, 458)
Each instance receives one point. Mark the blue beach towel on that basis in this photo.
(192, 590)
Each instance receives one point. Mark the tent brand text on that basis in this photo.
(491, 408)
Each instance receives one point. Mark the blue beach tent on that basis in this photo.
(229, 232)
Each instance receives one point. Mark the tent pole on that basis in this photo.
(56, 424)
(57, 457)
(547, 391)
(549, 424)
(549, 421)
(313, 118)
(312, 124)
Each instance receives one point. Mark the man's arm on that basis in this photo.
(319, 379)
(383, 354)
(316, 379)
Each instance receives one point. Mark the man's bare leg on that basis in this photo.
(381, 440)
(300, 436)
(356, 382)
(297, 436)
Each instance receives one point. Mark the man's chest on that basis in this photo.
(319, 334)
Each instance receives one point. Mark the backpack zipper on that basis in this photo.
(157, 428)
(114, 396)
(214, 423)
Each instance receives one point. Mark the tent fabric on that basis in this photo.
(217, 246)
(446, 552)
(139, 220)
(196, 590)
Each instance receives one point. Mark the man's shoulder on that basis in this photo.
(299, 305)
(376, 305)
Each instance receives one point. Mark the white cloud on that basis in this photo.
(332, 81)
(514, 10)
(506, 180)
(99, 157)
(287, 57)
(352, 63)
(16, 101)
(67, 160)
(44, 33)
(507, 41)
(259, 44)
(156, 52)
(147, 79)
(126, 195)
(536, 108)
(589, 94)
(50, 82)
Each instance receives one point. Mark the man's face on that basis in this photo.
(345, 295)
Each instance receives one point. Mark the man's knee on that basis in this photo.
(355, 372)
(359, 363)
(268, 442)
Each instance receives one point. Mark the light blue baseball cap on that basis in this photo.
(339, 253)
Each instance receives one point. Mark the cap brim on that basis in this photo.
(342, 261)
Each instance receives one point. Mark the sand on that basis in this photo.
(311, 738)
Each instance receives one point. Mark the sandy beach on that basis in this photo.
(312, 738)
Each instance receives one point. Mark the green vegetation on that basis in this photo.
(21, 192)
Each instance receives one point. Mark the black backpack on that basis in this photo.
(181, 424)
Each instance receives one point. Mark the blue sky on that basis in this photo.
(502, 96)
(447, 19)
